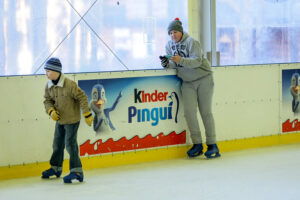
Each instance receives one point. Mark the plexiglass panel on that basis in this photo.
(87, 35)
(258, 31)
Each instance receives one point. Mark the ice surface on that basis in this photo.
(262, 173)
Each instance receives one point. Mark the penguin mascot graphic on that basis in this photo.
(102, 121)
(175, 105)
(295, 92)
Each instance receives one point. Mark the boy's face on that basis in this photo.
(175, 35)
(52, 75)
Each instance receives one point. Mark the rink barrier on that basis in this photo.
(147, 155)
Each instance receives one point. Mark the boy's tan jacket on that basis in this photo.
(67, 98)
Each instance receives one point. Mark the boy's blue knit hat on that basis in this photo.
(175, 25)
(53, 64)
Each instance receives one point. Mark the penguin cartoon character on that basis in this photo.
(102, 122)
(294, 89)
(174, 104)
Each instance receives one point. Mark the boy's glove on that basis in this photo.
(54, 114)
(164, 61)
(88, 118)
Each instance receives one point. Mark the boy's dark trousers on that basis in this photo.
(66, 135)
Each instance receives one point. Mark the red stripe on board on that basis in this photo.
(134, 143)
(288, 126)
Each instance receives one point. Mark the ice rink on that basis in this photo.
(261, 173)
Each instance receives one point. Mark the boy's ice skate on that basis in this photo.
(195, 151)
(212, 151)
(50, 172)
(72, 176)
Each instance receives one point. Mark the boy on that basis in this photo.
(63, 100)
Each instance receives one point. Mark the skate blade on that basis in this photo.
(67, 182)
(70, 181)
(194, 155)
(216, 155)
(50, 177)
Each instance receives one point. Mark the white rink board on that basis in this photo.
(247, 103)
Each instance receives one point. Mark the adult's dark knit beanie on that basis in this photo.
(175, 25)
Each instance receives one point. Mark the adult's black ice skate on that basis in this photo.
(196, 150)
(212, 151)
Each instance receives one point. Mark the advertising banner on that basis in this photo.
(290, 100)
(133, 113)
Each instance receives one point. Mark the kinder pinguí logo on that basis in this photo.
(153, 115)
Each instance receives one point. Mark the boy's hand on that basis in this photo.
(54, 114)
(88, 118)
